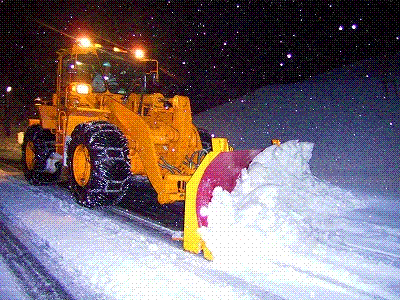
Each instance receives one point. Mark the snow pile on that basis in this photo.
(281, 223)
(272, 209)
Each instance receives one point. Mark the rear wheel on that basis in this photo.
(37, 147)
(98, 162)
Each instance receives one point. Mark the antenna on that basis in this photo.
(54, 29)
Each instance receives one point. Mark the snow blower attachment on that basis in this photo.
(108, 123)
(221, 167)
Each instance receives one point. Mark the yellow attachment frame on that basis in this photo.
(191, 238)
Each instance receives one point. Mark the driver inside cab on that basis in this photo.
(104, 80)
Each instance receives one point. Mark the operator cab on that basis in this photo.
(101, 70)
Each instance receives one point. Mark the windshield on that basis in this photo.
(117, 72)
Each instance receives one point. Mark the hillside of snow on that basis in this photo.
(351, 114)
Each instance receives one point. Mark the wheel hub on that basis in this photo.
(81, 165)
(30, 156)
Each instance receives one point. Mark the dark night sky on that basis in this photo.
(218, 49)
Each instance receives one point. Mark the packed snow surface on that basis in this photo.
(9, 284)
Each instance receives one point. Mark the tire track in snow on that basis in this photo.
(37, 281)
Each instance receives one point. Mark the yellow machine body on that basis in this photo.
(163, 142)
(159, 131)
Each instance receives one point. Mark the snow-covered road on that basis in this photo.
(101, 257)
(96, 254)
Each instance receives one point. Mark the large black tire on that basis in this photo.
(37, 147)
(99, 167)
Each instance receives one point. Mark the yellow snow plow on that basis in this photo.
(108, 121)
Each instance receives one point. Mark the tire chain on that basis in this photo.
(110, 152)
(103, 128)
(44, 143)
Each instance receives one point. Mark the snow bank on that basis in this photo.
(353, 118)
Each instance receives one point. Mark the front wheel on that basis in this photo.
(99, 167)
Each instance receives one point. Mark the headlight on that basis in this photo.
(82, 89)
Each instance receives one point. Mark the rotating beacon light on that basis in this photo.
(139, 53)
(84, 42)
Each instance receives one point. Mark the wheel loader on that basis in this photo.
(107, 122)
